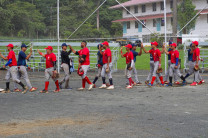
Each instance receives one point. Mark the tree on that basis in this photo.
(186, 11)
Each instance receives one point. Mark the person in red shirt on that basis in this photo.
(50, 68)
(129, 64)
(174, 66)
(156, 54)
(13, 70)
(107, 65)
(196, 62)
(84, 64)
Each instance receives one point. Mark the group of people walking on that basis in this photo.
(18, 69)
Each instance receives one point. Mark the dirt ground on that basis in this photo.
(142, 112)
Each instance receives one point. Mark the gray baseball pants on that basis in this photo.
(49, 74)
(103, 72)
(167, 73)
(85, 69)
(65, 67)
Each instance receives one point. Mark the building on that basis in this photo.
(151, 13)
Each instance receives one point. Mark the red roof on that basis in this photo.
(143, 17)
(134, 2)
(204, 11)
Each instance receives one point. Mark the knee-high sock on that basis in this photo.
(111, 81)
(83, 83)
(182, 78)
(21, 84)
(57, 84)
(96, 78)
(130, 81)
(103, 78)
(46, 85)
(7, 85)
(153, 79)
(187, 75)
(161, 79)
(87, 79)
(171, 80)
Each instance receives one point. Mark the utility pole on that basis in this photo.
(175, 20)
(98, 17)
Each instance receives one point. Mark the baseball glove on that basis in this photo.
(55, 75)
(159, 70)
(107, 70)
(196, 68)
(128, 66)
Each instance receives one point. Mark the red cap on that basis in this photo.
(105, 43)
(49, 47)
(195, 42)
(10, 45)
(129, 46)
(174, 44)
(154, 43)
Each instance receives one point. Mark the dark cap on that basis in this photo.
(23, 45)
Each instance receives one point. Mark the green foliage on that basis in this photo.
(158, 38)
(186, 11)
(180, 47)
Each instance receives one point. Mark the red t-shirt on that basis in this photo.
(106, 54)
(174, 55)
(155, 54)
(11, 55)
(50, 58)
(196, 53)
(85, 51)
(129, 57)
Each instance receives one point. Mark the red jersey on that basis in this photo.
(174, 55)
(129, 57)
(85, 51)
(106, 54)
(196, 53)
(11, 55)
(155, 54)
(50, 58)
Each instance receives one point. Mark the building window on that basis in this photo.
(128, 8)
(144, 22)
(162, 22)
(171, 4)
(161, 6)
(136, 25)
(128, 25)
(171, 20)
(154, 7)
(143, 8)
(154, 22)
(136, 9)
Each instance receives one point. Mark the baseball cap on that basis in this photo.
(191, 45)
(170, 42)
(174, 44)
(23, 45)
(195, 42)
(64, 44)
(99, 45)
(129, 46)
(134, 45)
(49, 47)
(105, 43)
(154, 43)
(10, 45)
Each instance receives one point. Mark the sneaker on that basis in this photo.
(25, 90)
(17, 90)
(184, 83)
(60, 86)
(33, 89)
(81, 89)
(6, 91)
(103, 86)
(94, 86)
(57, 90)
(129, 87)
(166, 82)
(177, 82)
(201, 82)
(139, 83)
(44, 91)
(110, 87)
(90, 87)
(147, 82)
(193, 84)
(150, 85)
(169, 85)
(1, 90)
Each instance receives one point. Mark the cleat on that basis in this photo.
(103, 86)
(57, 90)
(150, 85)
(177, 82)
(110, 87)
(6, 91)
(169, 85)
(184, 83)
(129, 87)
(201, 82)
(139, 84)
(147, 82)
(25, 90)
(17, 90)
(193, 84)
(33, 89)
(90, 87)
(94, 86)
(1, 90)
(44, 91)
(81, 89)
(166, 82)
